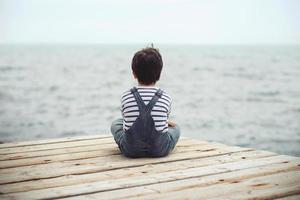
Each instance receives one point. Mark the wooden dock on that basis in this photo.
(91, 167)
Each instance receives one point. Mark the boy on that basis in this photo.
(145, 130)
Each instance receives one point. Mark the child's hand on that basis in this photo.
(171, 124)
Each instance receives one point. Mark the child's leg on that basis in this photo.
(117, 129)
(174, 133)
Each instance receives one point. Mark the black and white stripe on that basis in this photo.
(159, 113)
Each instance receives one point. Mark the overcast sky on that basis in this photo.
(144, 21)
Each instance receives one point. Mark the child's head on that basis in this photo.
(146, 66)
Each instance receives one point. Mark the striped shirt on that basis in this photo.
(159, 113)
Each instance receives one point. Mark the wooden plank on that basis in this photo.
(71, 144)
(294, 197)
(152, 191)
(133, 171)
(56, 158)
(279, 190)
(66, 191)
(264, 187)
(177, 176)
(105, 150)
(45, 147)
(57, 140)
(51, 141)
(52, 152)
(93, 165)
(69, 150)
(111, 162)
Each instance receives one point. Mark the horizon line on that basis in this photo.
(148, 43)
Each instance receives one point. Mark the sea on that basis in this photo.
(245, 95)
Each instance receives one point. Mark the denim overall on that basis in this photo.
(142, 139)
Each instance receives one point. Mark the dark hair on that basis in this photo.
(147, 65)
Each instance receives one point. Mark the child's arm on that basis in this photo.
(171, 123)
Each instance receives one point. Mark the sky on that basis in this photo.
(145, 21)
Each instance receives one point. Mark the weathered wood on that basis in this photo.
(71, 144)
(91, 167)
(293, 197)
(105, 150)
(51, 141)
(54, 152)
(92, 147)
(265, 187)
(132, 171)
(151, 191)
(60, 145)
(86, 188)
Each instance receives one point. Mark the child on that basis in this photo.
(145, 130)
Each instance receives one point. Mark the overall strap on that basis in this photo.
(155, 98)
(140, 101)
(138, 98)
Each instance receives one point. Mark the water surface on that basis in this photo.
(239, 95)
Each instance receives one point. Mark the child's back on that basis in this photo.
(159, 113)
(144, 130)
